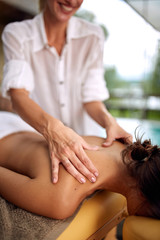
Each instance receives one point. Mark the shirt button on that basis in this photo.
(47, 46)
(61, 82)
(62, 104)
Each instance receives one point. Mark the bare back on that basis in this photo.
(26, 158)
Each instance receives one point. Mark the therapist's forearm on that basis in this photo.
(99, 113)
(30, 111)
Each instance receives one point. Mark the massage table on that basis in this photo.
(141, 228)
(95, 217)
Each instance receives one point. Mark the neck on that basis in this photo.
(115, 174)
(120, 182)
(55, 31)
(127, 186)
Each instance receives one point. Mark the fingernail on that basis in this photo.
(82, 180)
(96, 147)
(54, 180)
(96, 174)
(106, 144)
(93, 179)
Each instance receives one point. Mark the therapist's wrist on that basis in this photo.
(50, 124)
(109, 121)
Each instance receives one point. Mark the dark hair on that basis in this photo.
(143, 162)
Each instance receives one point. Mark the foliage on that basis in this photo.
(123, 96)
(89, 16)
(122, 90)
(152, 84)
(113, 80)
(110, 76)
(137, 114)
(155, 81)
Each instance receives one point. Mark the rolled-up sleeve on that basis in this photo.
(94, 88)
(17, 72)
(94, 85)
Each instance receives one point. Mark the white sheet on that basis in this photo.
(11, 123)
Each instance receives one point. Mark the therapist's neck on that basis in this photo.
(56, 34)
(54, 27)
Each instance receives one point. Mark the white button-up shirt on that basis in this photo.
(59, 84)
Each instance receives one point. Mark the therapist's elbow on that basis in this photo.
(17, 95)
(92, 107)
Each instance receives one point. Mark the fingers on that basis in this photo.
(75, 167)
(85, 159)
(54, 168)
(73, 157)
(73, 171)
(84, 165)
(88, 166)
(78, 170)
(124, 140)
(81, 162)
(129, 139)
(108, 142)
(90, 147)
(115, 132)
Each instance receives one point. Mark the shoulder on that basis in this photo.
(94, 140)
(82, 28)
(18, 27)
(23, 29)
(98, 141)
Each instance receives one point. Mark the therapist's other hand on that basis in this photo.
(67, 147)
(115, 132)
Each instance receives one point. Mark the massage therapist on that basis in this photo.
(53, 75)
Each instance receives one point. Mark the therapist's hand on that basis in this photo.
(115, 132)
(67, 147)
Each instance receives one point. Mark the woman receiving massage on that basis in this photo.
(132, 170)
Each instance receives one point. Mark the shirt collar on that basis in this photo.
(40, 34)
(77, 28)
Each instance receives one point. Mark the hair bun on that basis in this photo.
(139, 153)
(143, 151)
(146, 143)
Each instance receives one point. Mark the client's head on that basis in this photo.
(143, 163)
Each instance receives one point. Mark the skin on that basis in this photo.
(25, 176)
(56, 16)
(65, 146)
